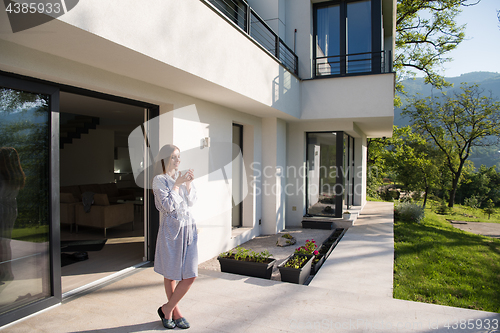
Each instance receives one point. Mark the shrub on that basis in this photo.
(408, 212)
(472, 202)
(443, 208)
(489, 208)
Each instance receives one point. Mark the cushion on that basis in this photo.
(110, 189)
(101, 199)
(75, 190)
(67, 198)
(90, 188)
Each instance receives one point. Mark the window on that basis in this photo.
(345, 37)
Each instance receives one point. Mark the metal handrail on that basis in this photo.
(255, 27)
(354, 63)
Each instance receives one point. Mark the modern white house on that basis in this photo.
(297, 86)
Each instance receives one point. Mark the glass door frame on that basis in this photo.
(54, 215)
(344, 158)
(30, 84)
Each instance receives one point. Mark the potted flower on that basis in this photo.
(296, 269)
(347, 215)
(247, 262)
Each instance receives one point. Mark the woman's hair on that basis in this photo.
(10, 167)
(165, 153)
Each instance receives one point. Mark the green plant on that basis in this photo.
(309, 248)
(472, 202)
(347, 212)
(409, 212)
(489, 209)
(243, 254)
(297, 262)
(287, 236)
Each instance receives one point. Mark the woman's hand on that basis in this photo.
(187, 178)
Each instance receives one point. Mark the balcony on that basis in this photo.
(354, 64)
(242, 15)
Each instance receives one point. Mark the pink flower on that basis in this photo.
(316, 253)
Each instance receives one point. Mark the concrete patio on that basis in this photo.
(351, 293)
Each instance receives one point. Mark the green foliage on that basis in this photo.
(24, 125)
(240, 253)
(426, 32)
(408, 212)
(308, 248)
(443, 208)
(484, 184)
(489, 208)
(439, 264)
(472, 202)
(455, 124)
(297, 261)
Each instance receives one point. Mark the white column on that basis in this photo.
(273, 175)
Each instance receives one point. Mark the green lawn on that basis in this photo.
(32, 234)
(437, 263)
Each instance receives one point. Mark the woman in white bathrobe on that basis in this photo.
(176, 256)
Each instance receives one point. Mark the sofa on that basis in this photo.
(103, 214)
(107, 213)
(113, 192)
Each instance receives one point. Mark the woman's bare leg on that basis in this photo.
(169, 290)
(174, 294)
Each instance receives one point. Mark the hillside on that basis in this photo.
(488, 81)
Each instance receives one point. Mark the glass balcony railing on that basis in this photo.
(241, 14)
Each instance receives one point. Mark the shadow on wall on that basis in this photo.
(286, 93)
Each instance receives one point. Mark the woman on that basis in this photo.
(12, 179)
(176, 256)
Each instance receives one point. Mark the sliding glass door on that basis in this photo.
(27, 258)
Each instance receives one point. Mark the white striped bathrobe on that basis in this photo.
(176, 256)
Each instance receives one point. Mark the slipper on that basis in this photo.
(181, 323)
(167, 323)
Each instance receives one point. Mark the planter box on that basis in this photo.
(334, 238)
(295, 275)
(315, 266)
(248, 268)
(317, 225)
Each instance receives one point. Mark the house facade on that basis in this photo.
(271, 102)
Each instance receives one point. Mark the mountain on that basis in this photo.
(488, 81)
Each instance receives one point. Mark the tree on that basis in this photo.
(456, 124)
(413, 160)
(425, 32)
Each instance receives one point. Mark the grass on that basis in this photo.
(32, 234)
(437, 263)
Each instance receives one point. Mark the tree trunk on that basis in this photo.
(425, 197)
(453, 191)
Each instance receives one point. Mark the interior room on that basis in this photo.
(102, 209)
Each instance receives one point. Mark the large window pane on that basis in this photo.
(321, 173)
(328, 40)
(24, 198)
(359, 38)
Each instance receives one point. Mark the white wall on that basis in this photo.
(349, 97)
(88, 160)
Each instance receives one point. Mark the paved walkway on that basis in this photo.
(351, 293)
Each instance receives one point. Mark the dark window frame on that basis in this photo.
(30, 84)
(54, 216)
(376, 37)
(340, 180)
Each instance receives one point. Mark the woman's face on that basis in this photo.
(175, 160)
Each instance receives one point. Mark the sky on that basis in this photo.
(480, 51)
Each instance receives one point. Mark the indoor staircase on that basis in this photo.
(74, 128)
